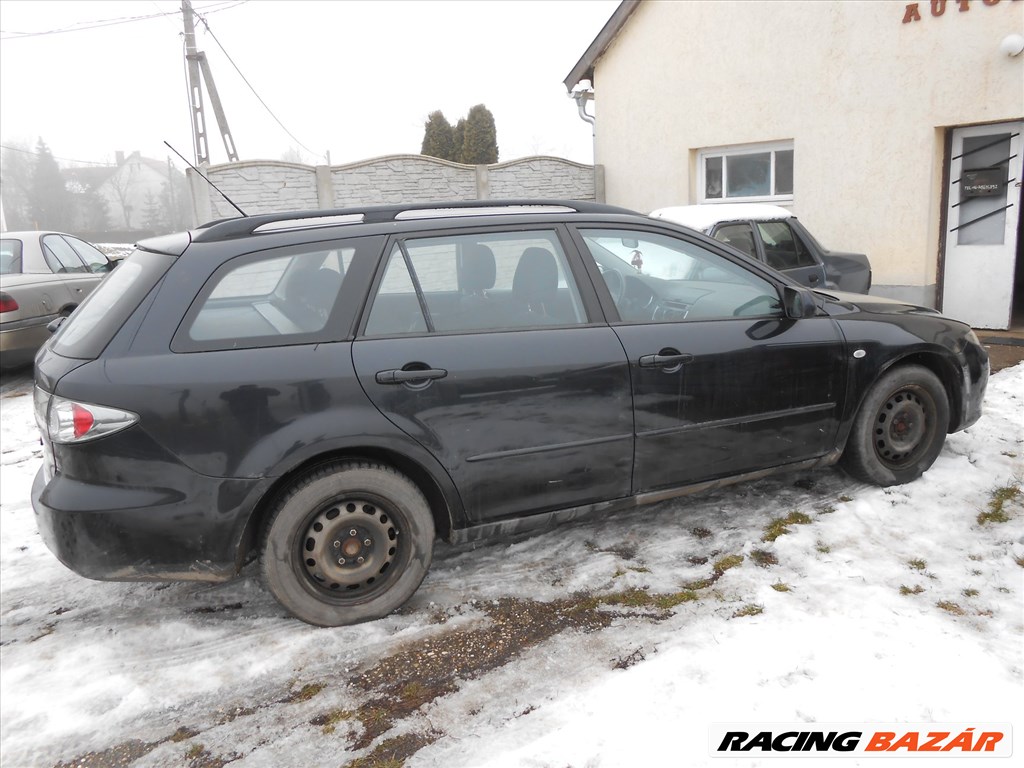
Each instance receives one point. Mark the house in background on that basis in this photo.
(890, 128)
(138, 194)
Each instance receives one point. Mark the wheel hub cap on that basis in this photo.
(901, 427)
(349, 545)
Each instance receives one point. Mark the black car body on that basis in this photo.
(329, 390)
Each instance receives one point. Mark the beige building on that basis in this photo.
(890, 128)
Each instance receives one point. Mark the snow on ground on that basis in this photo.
(884, 606)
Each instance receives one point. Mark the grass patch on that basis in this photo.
(823, 548)
(1019, 560)
(998, 499)
(748, 610)
(951, 607)
(726, 563)
(331, 718)
(916, 590)
(619, 572)
(763, 558)
(194, 751)
(970, 592)
(780, 587)
(845, 499)
(392, 753)
(305, 693)
(918, 564)
(828, 509)
(701, 533)
(780, 525)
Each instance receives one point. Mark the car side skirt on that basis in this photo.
(517, 525)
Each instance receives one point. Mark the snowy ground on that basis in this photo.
(614, 643)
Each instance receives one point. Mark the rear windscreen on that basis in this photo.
(91, 327)
(10, 256)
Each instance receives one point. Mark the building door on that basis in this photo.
(983, 274)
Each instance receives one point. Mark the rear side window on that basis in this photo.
(91, 327)
(61, 257)
(272, 298)
(10, 256)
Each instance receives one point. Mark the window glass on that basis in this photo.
(654, 278)
(749, 175)
(396, 308)
(784, 172)
(270, 299)
(713, 178)
(61, 256)
(485, 281)
(782, 248)
(10, 256)
(982, 219)
(739, 236)
(91, 255)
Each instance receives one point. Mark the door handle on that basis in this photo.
(399, 376)
(665, 361)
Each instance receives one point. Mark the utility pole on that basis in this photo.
(197, 63)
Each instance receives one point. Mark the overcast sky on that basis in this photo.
(357, 79)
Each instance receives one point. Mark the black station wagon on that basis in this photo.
(331, 390)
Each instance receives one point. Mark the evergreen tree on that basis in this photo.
(458, 137)
(15, 185)
(94, 211)
(155, 215)
(49, 202)
(437, 136)
(480, 140)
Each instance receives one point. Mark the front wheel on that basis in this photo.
(900, 428)
(349, 542)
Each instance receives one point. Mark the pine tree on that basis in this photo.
(16, 163)
(480, 140)
(458, 137)
(437, 136)
(49, 202)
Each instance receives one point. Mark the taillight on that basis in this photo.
(7, 302)
(74, 422)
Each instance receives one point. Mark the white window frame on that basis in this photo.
(741, 149)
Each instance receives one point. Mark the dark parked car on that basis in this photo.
(329, 391)
(775, 236)
(43, 275)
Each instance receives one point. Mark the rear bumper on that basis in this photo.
(142, 534)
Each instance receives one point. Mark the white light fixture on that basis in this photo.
(1012, 45)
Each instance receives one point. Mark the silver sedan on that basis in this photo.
(43, 275)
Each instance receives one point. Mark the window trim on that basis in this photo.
(735, 150)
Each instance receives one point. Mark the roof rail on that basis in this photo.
(225, 229)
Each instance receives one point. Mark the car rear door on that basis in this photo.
(491, 352)
(723, 382)
(77, 277)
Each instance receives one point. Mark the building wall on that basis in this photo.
(865, 97)
(265, 186)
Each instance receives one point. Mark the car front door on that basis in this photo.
(723, 381)
(481, 348)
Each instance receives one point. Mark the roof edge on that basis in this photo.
(585, 66)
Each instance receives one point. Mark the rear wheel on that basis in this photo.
(349, 542)
(900, 428)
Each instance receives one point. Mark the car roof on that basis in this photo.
(704, 217)
(29, 234)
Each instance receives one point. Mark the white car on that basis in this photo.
(43, 276)
(773, 235)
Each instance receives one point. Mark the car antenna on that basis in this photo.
(207, 180)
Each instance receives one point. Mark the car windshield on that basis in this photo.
(10, 256)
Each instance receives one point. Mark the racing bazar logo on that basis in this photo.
(861, 740)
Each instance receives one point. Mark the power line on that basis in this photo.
(246, 81)
(98, 23)
(56, 157)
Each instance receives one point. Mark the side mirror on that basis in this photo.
(799, 302)
(54, 325)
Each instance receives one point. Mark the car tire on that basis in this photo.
(348, 542)
(899, 429)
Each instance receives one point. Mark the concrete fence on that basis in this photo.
(264, 186)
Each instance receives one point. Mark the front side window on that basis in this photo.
(655, 278)
(752, 172)
(268, 299)
(783, 249)
(479, 282)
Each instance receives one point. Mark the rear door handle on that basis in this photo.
(399, 376)
(664, 361)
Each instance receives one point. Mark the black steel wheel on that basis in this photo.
(349, 542)
(900, 428)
